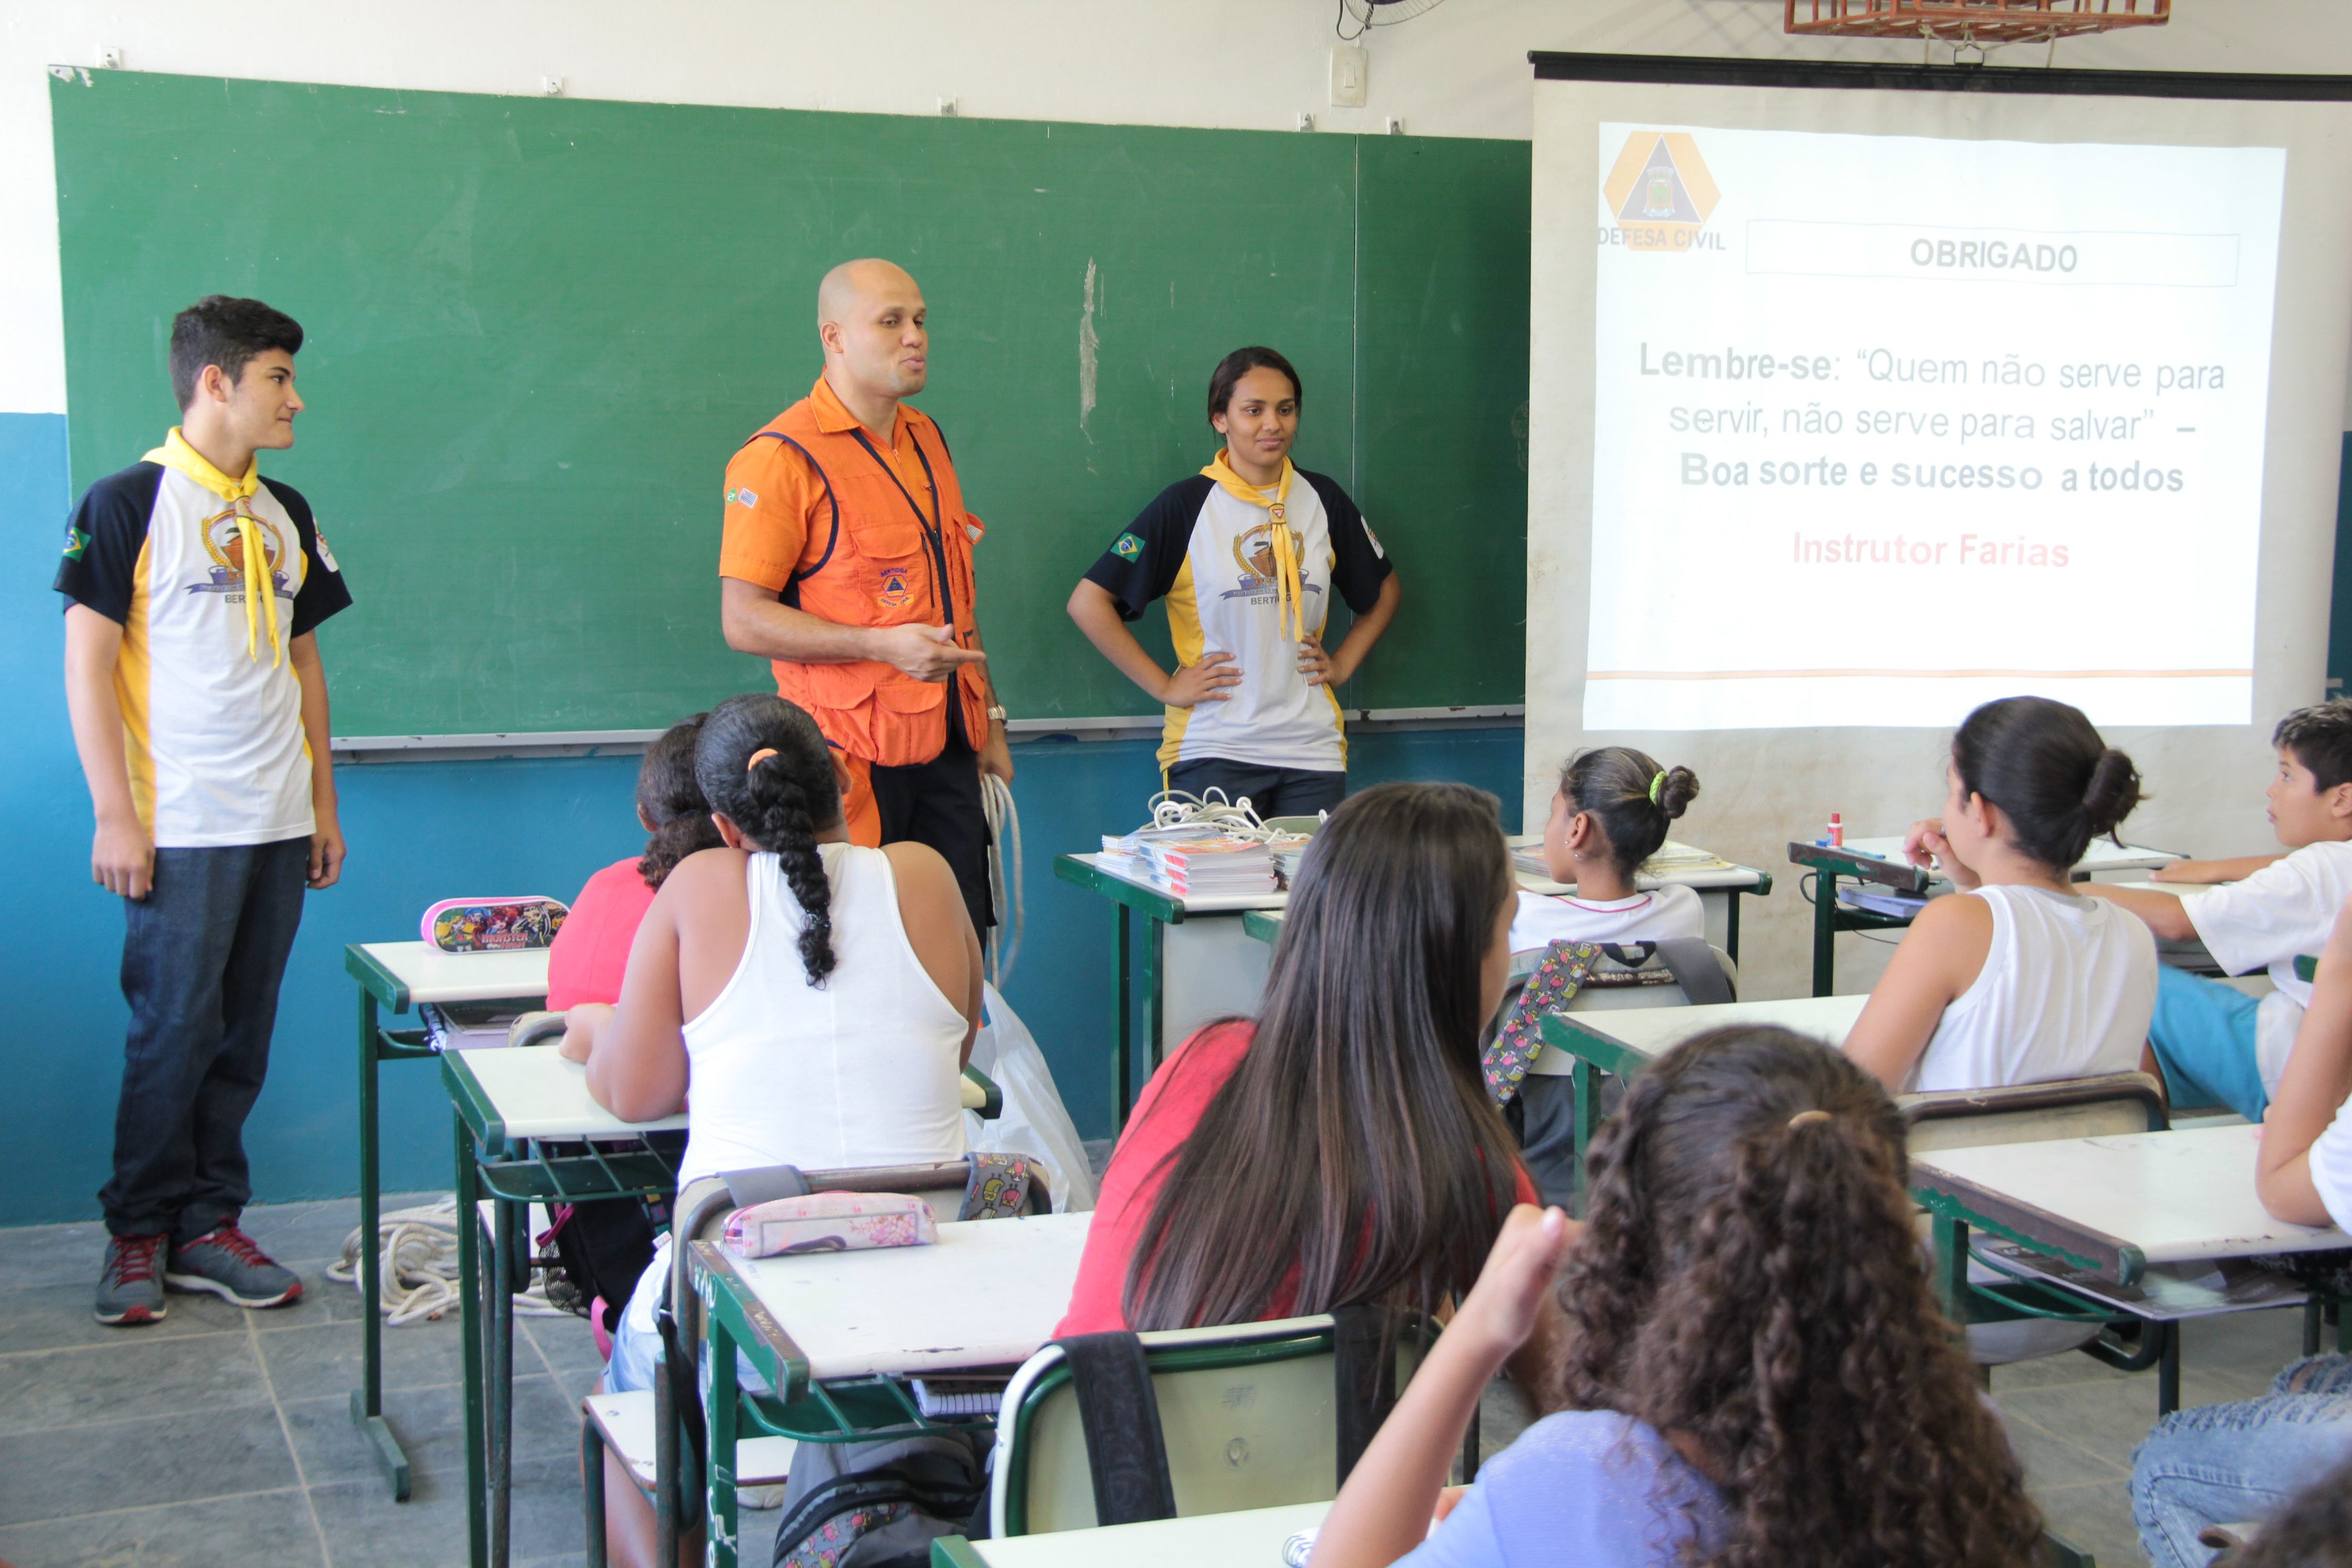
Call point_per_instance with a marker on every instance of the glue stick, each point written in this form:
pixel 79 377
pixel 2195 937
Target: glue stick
pixel 1837 831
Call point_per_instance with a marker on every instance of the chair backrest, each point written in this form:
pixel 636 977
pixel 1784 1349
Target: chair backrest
pixel 1605 998
pixel 1249 1415
pixel 2103 1106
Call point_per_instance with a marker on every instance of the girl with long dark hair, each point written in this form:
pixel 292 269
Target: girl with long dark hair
pixel 2022 980
pixel 1249 553
pixel 1756 1372
pixel 1342 1148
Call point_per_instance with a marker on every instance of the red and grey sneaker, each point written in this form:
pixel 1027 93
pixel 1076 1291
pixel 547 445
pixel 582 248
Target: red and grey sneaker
pixel 131 1286
pixel 225 1261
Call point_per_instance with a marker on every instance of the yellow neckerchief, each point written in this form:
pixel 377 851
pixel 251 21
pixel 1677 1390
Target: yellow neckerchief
pixel 1287 592
pixel 260 595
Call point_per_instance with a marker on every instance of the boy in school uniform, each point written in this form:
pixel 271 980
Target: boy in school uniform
pixel 2216 1043
pixel 194 591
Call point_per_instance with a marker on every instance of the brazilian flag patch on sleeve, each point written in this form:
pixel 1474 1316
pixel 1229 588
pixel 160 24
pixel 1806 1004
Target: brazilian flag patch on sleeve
pixel 76 542
pixel 1129 548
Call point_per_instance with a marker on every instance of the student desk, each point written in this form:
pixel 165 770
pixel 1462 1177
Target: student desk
pixel 833 1334
pixel 1880 862
pixel 397 976
pixel 2112 1207
pixel 527 1131
pixel 1254 1538
pixel 1205 957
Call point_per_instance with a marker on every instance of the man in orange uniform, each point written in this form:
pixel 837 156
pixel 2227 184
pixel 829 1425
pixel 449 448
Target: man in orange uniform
pixel 846 562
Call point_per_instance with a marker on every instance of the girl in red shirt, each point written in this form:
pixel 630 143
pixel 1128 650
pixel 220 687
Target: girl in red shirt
pixel 590 951
pixel 1343 1148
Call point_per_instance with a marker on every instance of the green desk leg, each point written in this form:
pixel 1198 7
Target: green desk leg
pixel 1585 1085
pixel 367 1400
pixel 1824 932
pixel 720 1399
pixel 1122 1048
pixel 470 1310
pixel 1154 950
pixel 1731 927
pixel 501 1380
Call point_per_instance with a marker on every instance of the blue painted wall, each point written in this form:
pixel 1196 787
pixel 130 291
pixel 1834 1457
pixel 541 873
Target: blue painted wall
pixel 421 831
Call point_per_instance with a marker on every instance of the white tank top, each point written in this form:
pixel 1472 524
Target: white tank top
pixel 861 1071
pixel 2067 990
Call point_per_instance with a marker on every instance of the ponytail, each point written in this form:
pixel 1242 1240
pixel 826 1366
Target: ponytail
pixel 1630 796
pixel 764 765
pixel 2059 784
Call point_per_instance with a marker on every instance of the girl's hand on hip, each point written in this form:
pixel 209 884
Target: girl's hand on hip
pixel 1206 681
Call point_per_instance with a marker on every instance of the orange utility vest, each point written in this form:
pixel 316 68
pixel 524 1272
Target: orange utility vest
pixel 883 564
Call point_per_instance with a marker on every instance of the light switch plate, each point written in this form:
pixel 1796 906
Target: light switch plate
pixel 1351 72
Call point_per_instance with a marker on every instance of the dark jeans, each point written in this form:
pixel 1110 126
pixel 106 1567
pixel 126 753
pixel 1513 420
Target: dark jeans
pixel 938 803
pixel 201 957
pixel 1274 792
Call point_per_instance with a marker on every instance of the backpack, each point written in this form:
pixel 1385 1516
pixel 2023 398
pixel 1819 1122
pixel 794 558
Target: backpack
pixel 880 1504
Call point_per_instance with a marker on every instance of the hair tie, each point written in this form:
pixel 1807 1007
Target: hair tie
pixel 762 755
pixel 1658 789
pixel 1806 1118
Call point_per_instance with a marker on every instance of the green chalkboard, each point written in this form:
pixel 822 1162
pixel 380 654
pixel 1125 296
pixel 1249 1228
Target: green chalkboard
pixel 536 330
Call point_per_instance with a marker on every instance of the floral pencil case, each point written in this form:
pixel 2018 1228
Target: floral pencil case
pixel 829 1222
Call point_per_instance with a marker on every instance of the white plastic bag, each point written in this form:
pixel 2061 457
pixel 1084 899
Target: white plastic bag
pixel 1034 1122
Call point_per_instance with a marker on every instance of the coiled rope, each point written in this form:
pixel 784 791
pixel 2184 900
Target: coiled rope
pixel 417 1266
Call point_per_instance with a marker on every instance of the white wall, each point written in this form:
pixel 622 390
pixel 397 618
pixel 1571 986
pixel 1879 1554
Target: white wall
pixel 1460 70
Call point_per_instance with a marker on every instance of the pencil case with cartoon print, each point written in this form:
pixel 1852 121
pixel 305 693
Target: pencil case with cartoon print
pixel 493 925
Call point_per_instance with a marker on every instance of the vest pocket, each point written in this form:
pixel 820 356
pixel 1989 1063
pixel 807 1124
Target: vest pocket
pixel 894 572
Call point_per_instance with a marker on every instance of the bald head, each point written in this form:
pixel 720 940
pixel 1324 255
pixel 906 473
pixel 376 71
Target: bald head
pixel 870 316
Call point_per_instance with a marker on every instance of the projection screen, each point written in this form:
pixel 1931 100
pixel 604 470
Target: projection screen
pixel 1861 395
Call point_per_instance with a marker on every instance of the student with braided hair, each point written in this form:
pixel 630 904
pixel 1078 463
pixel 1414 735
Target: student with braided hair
pixel 807 1000
pixel 1756 1371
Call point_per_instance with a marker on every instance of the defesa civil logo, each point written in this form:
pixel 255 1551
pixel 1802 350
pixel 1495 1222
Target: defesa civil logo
pixel 1660 195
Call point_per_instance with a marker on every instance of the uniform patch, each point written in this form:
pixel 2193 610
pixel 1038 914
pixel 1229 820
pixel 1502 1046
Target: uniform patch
pixel 1375 541
pixel 895 590
pixel 1129 548
pixel 326 556
pixel 76 542
pixel 742 495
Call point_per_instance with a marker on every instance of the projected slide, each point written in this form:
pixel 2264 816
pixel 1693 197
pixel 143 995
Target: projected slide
pixel 1884 426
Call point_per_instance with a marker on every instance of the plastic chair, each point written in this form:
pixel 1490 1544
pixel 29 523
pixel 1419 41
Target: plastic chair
pixel 1249 1415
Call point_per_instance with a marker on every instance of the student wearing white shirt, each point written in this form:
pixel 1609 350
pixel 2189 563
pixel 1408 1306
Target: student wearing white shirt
pixel 2017 978
pixel 2217 1045
pixel 2219 1463
pixel 1609 815
pixel 1249 553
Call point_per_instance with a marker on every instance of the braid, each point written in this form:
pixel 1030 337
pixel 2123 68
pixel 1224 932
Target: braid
pixel 791 833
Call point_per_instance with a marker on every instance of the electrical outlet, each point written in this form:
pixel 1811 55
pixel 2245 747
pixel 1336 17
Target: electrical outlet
pixel 1351 72
pixel 947 106
pixel 552 86
pixel 1306 120
pixel 110 59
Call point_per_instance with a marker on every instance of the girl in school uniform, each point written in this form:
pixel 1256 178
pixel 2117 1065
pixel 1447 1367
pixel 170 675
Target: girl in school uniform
pixel 1610 814
pixel 1341 1148
pixel 1249 553
pixel 591 952
pixel 818 998
pixel 2016 979
pixel 1756 1371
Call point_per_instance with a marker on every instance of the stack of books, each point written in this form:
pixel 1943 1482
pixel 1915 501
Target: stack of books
pixel 1194 860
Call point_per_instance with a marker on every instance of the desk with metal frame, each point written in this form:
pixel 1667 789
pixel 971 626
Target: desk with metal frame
pixel 1260 922
pixel 836 1335
pixel 397 976
pixel 1880 862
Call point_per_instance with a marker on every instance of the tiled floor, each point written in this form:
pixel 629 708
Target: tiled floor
pixel 223 1437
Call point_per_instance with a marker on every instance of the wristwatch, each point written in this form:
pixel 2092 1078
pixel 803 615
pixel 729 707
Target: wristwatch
pixel 996 714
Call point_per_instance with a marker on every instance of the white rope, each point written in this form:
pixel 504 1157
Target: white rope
pixel 1176 808
pixel 417 1266
pixel 1003 889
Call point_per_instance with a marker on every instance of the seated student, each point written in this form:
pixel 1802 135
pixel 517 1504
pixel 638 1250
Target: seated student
pixel 2021 980
pixel 1609 815
pixel 2216 1043
pixel 819 998
pixel 1756 1368
pixel 591 952
pixel 2218 1464
pixel 1342 1148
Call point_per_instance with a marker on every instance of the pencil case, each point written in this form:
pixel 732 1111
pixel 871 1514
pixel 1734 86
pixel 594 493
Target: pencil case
pixel 493 925
pixel 829 1222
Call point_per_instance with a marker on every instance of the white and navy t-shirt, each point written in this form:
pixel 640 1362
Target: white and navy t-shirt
pixel 213 735
pixel 1654 914
pixel 1209 554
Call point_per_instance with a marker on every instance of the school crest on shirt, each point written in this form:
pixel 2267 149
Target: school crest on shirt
pixel 227 551
pixel 897 591
pixel 1253 553
pixel 326 556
